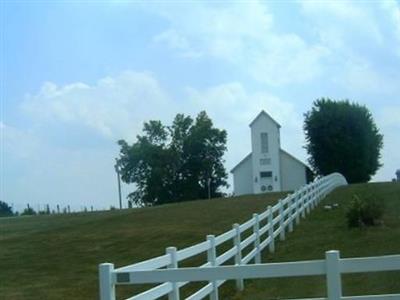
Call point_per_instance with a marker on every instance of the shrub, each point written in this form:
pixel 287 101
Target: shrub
pixel 364 211
pixel 374 209
pixel 29 211
pixel 353 213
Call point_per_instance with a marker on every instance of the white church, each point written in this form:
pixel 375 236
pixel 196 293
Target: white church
pixel 267 168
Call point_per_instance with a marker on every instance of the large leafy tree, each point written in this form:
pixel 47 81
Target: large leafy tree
pixel 342 137
pixel 5 209
pixel 175 163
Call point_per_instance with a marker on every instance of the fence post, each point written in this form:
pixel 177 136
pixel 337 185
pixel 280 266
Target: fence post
pixel 319 192
pixel 212 259
pixel 238 255
pixel 308 200
pixel 256 230
pixel 314 196
pixel 297 199
pixel 303 196
pixel 281 221
pixel 320 196
pixel 174 294
pixel 333 280
pixel 290 214
pixel 107 287
pixel 271 230
pixel 323 189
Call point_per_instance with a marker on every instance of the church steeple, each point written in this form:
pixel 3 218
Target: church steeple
pixel 265 143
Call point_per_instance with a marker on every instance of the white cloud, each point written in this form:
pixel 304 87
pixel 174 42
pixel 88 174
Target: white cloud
pixel 232 107
pixel 362 77
pixel 39 173
pixel 176 41
pixel 115 107
pixel 243 34
pixel 48 163
pixel 232 101
pixel 392 9
pixel 388 120
pixel 390 117
pixel 341 21
pixel 352 44
pixel 363 38
pixel 22 143
pixel 173 40
pixel 350 49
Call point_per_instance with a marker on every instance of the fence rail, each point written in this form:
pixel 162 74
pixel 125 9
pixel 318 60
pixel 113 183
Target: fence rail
pixel 332 267
pixel 261 231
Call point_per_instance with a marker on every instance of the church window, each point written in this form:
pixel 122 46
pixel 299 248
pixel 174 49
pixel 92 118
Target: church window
pixel 264 142
pixel 265 174
pixel 265 161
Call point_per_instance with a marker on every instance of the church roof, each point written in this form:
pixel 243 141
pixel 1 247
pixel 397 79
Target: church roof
pixel 264 113
pixel 296 159
pixel 248 156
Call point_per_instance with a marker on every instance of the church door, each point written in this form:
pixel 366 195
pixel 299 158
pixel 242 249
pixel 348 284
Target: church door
pixel 266 183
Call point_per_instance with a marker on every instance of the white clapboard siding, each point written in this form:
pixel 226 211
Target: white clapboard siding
pixel 261 231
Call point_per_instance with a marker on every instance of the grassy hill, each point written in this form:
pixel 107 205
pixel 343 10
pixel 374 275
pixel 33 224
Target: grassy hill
pixel 327 230
pixel 56 257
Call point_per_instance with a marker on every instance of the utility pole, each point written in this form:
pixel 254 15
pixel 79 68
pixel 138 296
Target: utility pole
pixel 117 169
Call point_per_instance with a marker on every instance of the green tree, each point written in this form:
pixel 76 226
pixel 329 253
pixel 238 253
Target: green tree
pixel 5 209
pixel 175 163
pixel 342 137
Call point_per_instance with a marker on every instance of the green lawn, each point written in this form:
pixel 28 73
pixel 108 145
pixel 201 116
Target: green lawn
pixel 56 257
pixel 327 230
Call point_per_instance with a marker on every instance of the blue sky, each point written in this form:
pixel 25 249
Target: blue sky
pixel 78 76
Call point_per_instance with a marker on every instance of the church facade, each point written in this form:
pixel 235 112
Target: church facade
pixel 267 168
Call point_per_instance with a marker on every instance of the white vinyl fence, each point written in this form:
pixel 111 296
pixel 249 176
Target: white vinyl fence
pixel 260 231
pixel 332 267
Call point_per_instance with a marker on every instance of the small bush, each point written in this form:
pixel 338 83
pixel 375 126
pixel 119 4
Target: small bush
pixel 364 211
pixel 29 211
pixel 353 213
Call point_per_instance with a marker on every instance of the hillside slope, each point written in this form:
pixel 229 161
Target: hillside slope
pixel 56 257
pixel 327 230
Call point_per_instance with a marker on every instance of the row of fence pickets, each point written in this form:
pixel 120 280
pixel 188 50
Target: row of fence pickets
pixel 287 212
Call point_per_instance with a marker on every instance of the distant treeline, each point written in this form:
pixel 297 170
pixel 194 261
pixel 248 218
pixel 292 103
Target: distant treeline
pixel 7 210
